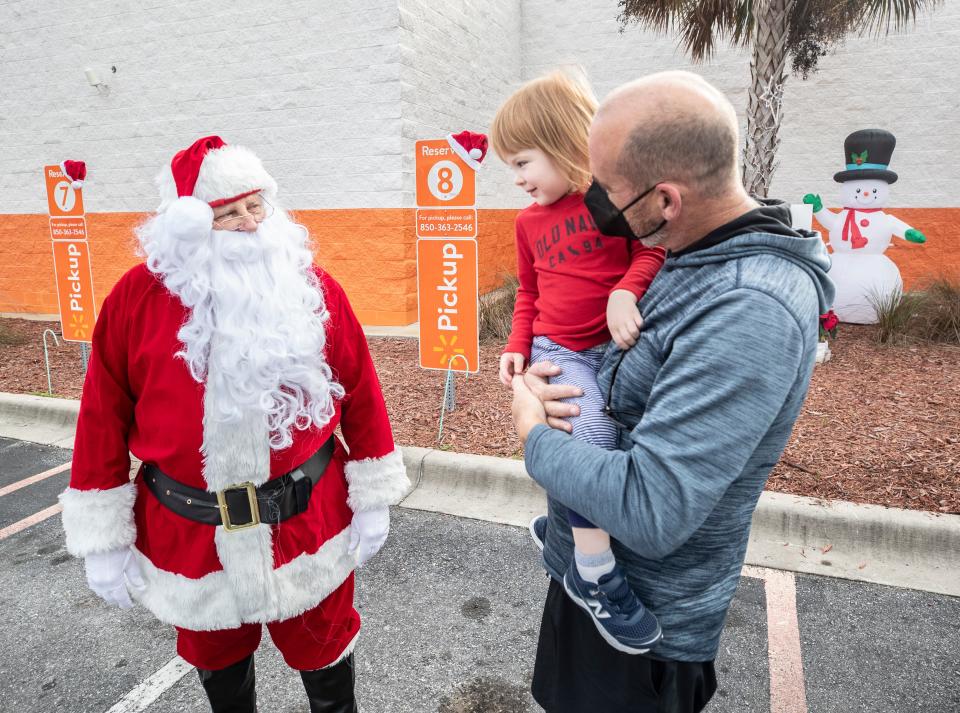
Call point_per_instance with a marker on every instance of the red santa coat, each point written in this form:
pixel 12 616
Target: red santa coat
pixel 138 397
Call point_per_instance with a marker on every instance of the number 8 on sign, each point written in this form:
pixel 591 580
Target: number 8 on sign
pixel 445 180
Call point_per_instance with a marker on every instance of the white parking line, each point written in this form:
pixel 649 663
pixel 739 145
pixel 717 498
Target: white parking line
pixel 151 689
pixel 28 521
pixel 5 490
pixel 788 692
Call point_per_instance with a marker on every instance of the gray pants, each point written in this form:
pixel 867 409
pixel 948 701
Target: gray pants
pixel 580 370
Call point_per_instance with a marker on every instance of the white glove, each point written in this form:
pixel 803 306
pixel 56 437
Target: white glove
pixel 369 531
pixel 110 573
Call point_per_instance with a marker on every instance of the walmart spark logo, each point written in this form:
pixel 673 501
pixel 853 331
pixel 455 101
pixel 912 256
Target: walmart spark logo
pixel 79 326
pixel 448 350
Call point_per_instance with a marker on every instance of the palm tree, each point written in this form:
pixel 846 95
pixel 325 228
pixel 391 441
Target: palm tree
pixel 777 29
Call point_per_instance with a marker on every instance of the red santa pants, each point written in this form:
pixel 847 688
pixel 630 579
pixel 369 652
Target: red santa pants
pixel 309 641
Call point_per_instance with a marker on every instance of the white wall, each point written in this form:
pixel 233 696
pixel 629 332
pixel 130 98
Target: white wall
pixel 906 83
pixel 460 61
pixel 313 87
pixel 333 95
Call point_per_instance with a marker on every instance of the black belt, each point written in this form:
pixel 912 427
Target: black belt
pixel 242 505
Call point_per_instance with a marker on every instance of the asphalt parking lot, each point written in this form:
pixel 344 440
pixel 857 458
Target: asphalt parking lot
pixel 451 610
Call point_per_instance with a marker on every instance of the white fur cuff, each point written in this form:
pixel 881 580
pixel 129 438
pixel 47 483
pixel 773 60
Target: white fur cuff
pixel 376 482
pixel 98 520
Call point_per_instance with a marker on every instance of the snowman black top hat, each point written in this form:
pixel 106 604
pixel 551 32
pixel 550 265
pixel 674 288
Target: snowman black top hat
pixel 867 154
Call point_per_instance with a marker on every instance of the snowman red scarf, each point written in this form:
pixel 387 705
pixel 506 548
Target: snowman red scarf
pixel 851 231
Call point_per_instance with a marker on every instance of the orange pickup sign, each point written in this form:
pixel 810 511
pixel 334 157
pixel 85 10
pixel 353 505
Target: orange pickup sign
pixel 62 200
pixel 443 179
pixel 447 298
pixel 71 259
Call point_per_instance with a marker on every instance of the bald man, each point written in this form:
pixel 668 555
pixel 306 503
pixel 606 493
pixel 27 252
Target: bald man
pixel 705 399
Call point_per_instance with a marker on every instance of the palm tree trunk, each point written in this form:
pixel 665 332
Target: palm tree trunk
pixel 766 94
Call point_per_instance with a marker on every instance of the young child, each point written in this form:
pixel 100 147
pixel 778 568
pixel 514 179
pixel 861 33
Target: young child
pixel 577 288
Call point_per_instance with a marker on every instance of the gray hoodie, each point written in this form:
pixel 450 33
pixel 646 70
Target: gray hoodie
pixel 707 398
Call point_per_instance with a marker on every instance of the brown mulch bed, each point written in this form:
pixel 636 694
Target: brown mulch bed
pixel 881 424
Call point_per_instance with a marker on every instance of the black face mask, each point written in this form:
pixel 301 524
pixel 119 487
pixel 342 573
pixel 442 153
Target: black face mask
pixel 610 219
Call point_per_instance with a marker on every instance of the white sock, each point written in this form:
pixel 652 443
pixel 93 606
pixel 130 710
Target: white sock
pixel 593 567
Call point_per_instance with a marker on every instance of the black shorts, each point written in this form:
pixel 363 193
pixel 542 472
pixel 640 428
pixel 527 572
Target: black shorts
pixel 578 672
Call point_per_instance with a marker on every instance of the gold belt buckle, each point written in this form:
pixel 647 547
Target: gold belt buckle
pixel 254 507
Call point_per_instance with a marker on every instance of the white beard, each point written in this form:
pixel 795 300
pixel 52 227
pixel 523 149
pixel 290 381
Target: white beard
pixel 256 333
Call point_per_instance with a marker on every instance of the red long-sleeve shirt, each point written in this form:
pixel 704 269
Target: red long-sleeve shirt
pixel 567 270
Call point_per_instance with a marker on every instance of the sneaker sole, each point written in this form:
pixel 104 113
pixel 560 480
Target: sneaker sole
pixel 533 533
pixel 607 636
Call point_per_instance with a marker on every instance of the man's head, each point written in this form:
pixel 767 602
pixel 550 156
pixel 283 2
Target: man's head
pixel 245 272
pixel 674 135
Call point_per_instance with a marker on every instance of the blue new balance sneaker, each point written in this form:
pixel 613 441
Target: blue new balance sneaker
pixel 538 530
pixel 619 616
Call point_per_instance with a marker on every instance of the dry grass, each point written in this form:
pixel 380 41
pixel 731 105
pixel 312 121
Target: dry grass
pixel 496 311
pixel 931 315
pixel 10 338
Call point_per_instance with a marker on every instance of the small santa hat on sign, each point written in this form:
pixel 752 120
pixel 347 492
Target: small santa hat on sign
pixel 76 171
pixel 469 146
pixel 215 173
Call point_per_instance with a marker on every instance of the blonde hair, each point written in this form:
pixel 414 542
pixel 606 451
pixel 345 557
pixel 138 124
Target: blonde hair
pixel 553 114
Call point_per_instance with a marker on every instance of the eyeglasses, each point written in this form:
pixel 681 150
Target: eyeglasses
pixel 616 415
pixel 260 211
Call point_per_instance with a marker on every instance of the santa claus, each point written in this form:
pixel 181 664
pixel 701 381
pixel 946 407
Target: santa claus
pixel 224 363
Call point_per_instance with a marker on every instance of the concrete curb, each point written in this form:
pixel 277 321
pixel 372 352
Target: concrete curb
pixel 40 419
pixel 870 543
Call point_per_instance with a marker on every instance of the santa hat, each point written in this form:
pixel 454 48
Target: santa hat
pixel 214 172
pixel 469 146
pixel 76 171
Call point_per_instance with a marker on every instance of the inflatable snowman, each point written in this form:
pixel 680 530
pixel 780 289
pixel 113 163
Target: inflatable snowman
pixel 862 231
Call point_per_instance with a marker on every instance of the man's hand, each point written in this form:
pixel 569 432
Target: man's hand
pixel 915 236
pixel 369 531
pixel 511 364
pixel 623 318
pixel 536 401
pixel 110 573
pixel 812 199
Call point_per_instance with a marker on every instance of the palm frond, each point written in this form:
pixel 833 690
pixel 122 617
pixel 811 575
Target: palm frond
pixel 881 16
pixel 657 15
pixel 700 24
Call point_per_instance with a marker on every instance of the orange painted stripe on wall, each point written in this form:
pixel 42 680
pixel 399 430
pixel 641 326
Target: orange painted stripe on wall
pixel 372 252
pixel 939 256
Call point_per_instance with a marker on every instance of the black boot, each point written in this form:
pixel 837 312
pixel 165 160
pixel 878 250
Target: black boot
pixel 330 690
pixel 231 689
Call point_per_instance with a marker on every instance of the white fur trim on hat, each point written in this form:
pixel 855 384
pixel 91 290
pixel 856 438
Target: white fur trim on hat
pixel 225 173
pixel 75 185
pixel 375 482
pixel 468 157
pixel 188 218
pixel 98 520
